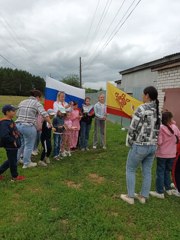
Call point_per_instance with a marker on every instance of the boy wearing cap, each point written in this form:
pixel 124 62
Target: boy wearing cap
pixel 46 140
pixel 10 140
pixel 58 124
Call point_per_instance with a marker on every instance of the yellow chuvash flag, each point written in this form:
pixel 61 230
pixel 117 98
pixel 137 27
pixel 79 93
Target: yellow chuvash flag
pixel 120 103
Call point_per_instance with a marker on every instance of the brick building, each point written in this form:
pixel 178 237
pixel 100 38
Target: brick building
pixel 162 73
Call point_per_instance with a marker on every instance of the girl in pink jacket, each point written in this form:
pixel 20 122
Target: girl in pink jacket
pixel 169 136
pixel 75 117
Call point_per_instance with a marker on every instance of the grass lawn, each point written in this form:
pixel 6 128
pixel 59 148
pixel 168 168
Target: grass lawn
pixel 78 199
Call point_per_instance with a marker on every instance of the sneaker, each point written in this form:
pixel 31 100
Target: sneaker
pixel 156 194
pixel 175 193
pixel 1 177
pixel 68 153
pixel 20 161
pixel 47 160
pixel 82 149
pixel 42 164
pixel 18 178
pixel 94 147
pixel 173 186
pixel 140 198
pixel 34 153
pixel 63 154
pixel 169 192
pixel 104 147
pixel 57 158
pixel 30 165
pixel 87 149
pixel 127 199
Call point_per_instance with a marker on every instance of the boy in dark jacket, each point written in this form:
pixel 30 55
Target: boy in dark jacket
pixel 46 140
pixel 10 140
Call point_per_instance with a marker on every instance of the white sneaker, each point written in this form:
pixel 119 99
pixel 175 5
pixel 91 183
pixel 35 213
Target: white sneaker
pixel 104 147
pixel 87 149
pixel 30 165
pixel 173 186
pixel 175 193
pixel 169 192
pixel 94 147
pixel 127 199
pixel 82 149
pixel 57 158
pixel 42 164
pixel 156 194
pixel 47 160
pixel 20 161
pixel 140 198
pixel 63 154
pixel 68 153
pixel 34 153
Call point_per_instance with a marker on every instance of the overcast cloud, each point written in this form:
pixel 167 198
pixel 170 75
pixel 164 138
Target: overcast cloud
pixel 48 36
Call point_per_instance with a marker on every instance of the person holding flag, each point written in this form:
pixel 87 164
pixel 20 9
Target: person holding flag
pixel 86 122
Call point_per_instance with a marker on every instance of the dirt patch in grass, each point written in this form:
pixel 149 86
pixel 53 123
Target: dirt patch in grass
pixel 120 237
pixel 72 184
pixel 93 177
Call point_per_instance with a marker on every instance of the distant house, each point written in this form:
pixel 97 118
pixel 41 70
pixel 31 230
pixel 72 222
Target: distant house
pixel 162 73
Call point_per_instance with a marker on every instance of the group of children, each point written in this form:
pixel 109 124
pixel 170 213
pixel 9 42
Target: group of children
pixel 70 129
pixel 69 126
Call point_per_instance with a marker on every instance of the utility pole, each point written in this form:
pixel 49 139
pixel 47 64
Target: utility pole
pixel 80 73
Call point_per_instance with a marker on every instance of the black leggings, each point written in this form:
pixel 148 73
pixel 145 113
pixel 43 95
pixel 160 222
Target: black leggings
pixel 47 148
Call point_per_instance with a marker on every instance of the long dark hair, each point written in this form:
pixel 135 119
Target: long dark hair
pixel 153 95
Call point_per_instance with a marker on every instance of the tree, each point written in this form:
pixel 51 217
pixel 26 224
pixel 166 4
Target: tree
pixel 72 80
pixel 18 82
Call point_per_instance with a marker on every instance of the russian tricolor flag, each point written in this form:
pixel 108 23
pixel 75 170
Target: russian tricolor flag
pixel 71 93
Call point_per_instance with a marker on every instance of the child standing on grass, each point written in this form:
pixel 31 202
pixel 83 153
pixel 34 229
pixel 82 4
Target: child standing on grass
pixel 99 123
pixel 58 124
pixel 66 142
pixel 75 117
pixel 10 140
pixel 46 140
pixel 169 136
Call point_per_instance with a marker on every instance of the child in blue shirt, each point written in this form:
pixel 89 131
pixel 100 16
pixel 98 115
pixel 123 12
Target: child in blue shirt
pixel 58 124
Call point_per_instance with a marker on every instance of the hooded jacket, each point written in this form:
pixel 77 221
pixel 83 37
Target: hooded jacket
pixel 167 146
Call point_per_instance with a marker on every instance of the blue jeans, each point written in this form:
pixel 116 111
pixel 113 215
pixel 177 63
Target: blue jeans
pixel 84 134
pixel 38 138
pixel 28 138
pixel 144 155
pixel 163 170
pixel 57 144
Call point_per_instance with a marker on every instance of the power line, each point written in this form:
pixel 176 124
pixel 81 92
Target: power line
pixel 122 23
pixel 117 13
pixel 117 28
pixel 8 61
pixel 100 22
pixel 92 21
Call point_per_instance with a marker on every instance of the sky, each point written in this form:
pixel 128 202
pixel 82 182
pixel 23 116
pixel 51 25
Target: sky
pixel 47 37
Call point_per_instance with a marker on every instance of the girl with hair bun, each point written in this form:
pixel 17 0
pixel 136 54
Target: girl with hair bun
pixel 142 139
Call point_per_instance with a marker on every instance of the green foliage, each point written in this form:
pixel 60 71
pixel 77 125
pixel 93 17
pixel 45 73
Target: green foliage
pixel 18 82
pixel 77 198
pixel 90 90
pixel 72 80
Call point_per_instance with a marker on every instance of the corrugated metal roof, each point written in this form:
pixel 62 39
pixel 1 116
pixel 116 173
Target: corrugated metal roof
pixel 165 60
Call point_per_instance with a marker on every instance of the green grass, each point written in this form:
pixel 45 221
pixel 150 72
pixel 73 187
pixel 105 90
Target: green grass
pixel 77 199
